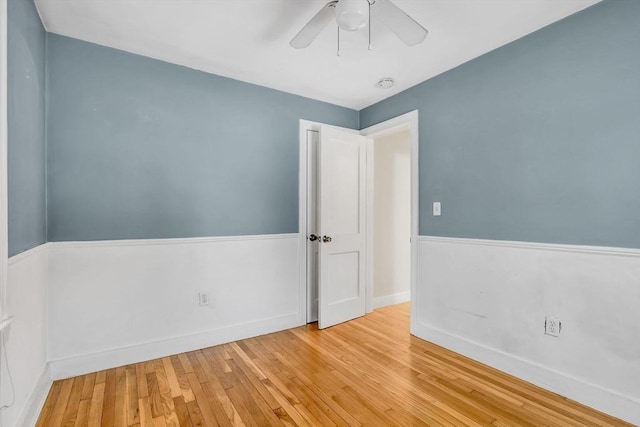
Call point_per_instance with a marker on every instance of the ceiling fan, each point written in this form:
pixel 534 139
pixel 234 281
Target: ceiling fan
pixel 353 15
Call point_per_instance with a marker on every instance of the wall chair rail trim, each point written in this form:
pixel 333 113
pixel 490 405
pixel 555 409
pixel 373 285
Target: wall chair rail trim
pixel 596 250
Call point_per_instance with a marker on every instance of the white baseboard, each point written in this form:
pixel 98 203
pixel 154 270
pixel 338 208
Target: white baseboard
pixel 385 300
pixel 36 400
pixel 84 364
pixel 602 399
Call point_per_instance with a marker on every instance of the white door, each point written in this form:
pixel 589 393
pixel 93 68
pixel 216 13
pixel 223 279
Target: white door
pixel 341 222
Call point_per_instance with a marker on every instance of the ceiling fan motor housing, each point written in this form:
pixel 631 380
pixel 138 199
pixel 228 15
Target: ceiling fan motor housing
pixel 352 15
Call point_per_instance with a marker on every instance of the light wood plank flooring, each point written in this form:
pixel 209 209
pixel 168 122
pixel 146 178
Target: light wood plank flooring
pixel 369 371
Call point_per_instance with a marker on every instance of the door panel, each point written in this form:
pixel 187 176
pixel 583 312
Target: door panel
pixel 343 274
pixel 342 187
pixel 341 219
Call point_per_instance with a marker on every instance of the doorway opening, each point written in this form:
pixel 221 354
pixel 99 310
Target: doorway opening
pixel 391 218
pixel 389 224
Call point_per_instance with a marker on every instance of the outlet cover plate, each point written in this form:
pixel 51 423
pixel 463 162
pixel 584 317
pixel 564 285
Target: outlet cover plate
pixel 552 326
pixel 203 298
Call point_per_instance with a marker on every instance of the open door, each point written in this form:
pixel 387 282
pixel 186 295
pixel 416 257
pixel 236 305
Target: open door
pixel 341 222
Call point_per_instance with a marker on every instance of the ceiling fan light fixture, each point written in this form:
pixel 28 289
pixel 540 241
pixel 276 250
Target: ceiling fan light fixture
pixel 385 83
pixel 352 15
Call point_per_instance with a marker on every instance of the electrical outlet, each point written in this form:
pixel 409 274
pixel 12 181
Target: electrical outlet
pixel 203 298
pixel 552 326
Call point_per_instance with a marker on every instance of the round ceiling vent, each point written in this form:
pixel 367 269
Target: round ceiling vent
pixel 385 83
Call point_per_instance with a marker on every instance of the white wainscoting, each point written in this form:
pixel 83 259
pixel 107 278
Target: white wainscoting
pixel 26 338
pixel 488 300
pixel 118 302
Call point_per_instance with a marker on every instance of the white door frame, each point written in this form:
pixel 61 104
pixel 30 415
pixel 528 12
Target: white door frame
pixel 406 121
pixel 305 283
pixel 311 302
pixel 4 238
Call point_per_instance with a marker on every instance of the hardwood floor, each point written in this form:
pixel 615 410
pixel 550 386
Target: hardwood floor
pixel 369 371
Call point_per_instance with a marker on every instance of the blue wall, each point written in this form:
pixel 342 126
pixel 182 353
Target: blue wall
pixel 538 140
pixel 26 130
pixel 139 148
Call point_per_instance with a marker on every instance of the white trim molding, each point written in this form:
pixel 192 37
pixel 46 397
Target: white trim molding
pixel 386 300
pixel 36 400
pixel 4 218
pixel 597 250
pixel 168 241
pixel 408 121
pixel 488 300
pixel 23 256
pixel 303 188
pixel 98 361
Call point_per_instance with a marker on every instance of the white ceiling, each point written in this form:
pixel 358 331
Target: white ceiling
pixel 249 39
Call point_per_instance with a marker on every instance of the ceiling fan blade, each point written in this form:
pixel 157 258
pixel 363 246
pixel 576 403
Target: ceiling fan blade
pixel 309 32
pixel 401 24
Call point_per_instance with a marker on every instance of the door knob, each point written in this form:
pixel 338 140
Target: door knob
pixel 313 237
pixel 326 239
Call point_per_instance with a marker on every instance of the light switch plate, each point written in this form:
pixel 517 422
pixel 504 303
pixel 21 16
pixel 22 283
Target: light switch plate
pixel 437 209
